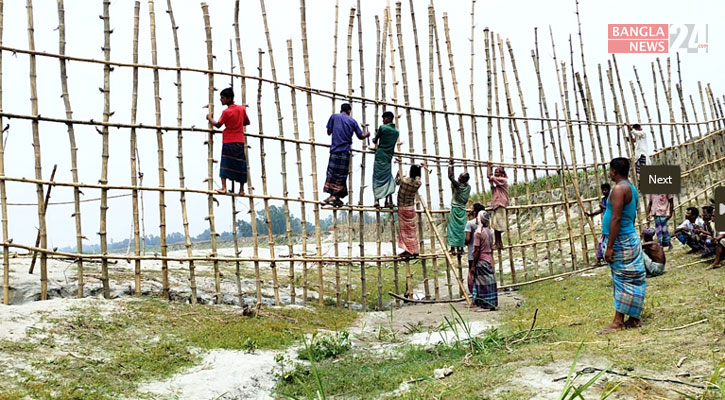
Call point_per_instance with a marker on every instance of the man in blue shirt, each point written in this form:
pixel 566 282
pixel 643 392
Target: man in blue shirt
pixel 341 127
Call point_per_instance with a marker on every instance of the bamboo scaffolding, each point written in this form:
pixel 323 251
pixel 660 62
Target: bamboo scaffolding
pixel 436 146
pixel 313 158
pixel 3 191
pixel 283 152
pixel 160 153
pixel 134 170
pixel 71 139
pixel 424 141
pixel 210 157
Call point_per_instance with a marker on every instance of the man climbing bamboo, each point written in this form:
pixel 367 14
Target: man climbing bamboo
pixel 457 217
pixel 385 139
pixel 234 162
pixel 641 146
pixel 341 127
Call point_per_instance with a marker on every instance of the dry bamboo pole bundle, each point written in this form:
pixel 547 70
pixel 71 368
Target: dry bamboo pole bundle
pixel 456 95
pixel 697 120
pixel 71 138
pixel 298 149
pixel 604 110
pixel 682 102
pixel 3 192
pixel 210 156
pixel 361 216
pixel 657 104
pixel 448 129
pixel 409 121
pixel 348 213
pixel 426 178
pixel 105 155
pixel 268 219
pixel 436 146
pixel 334 59
pixel 564 189
pixel 180 157
pixel 160 154
pixel 238 43
pixel 474 126
pixel 646 108
pixel 283 152
pixel 134 169
pixel 313 154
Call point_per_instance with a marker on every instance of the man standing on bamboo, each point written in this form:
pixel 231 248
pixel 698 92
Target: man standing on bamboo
pixel 341 127
pixel 407 217
pixel 457 217
pixel 641 146
pixel 623 249
pixel 234 162
pixel 499 202
pixel 385 139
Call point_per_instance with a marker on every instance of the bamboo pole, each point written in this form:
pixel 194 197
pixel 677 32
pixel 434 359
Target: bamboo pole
pixel 702 103
pixel 456 95
pixel 160 153
pixel 617 113
pixel 673 132
pixel 334 65
pixel 268 219
pixel 474 126
pixel 313 158
pixel 134 170
pixel 499 134
pixel 448 129
pixel 489 90
pixel 45 210
pixel 378 68
pixel 105 155
pixel 694 114
pixel 348 213
pixel 180 157
pixel 565 190
pixel 657 105
pixel 283 152
pixel 646 108
pixel 604 110
pixel 3 192
pixel 298 149
pixel 424 141
pixel 210 157
pixel 72 141
pixel 436 146
pixel 678 86
pixel 238 43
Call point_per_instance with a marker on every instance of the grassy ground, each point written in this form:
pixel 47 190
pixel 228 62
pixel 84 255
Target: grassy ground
pixel 96 354
pixel 581 306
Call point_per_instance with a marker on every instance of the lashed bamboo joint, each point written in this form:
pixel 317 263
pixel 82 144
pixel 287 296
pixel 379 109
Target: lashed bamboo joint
pixel 557 160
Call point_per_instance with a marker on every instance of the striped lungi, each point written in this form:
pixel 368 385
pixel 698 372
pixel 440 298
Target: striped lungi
pixel 337 170
pixel 628 274
pixel 408 229
pixel 234 163
pixel 485 292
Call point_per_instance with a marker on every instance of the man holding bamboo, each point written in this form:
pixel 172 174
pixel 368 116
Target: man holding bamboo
pixel 457 217
pixel 385 139
pixel 641 146
pixel 341 127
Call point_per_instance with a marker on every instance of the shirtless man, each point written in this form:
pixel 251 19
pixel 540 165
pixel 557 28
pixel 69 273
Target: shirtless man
pixel 654 255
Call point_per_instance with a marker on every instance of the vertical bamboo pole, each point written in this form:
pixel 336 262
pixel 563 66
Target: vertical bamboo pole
pixel 238 43
pixel 298 149
pixel 702 102
pixel 424 141
pixel 338 295
pixel 604 110
pixel 334 69
pixel 456 95
pixel 134 169
pixel 72 140
pixel 657 105
pixel 682 102
pixel 363 282
pixel 3 192
pixel 565 190
pixel 617 114
pixel 674 133
pixel 283 152
pixel 313 153
pixel 180 157
pixel 499 134
pixel 160 153
pixel 268 219
pixel 378 228
pixel 390 217
pixel 694 114
pixel 646 108
pixel 104 156
pixel 474 126
pixel 448 129
pixel 436 146
pixel 489 90
pixel 253 222
pixel 210 156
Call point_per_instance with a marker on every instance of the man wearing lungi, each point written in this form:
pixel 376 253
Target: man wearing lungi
pixel 499 202
pixel 457 217
pixel 385 139
pixel 623 249
pixel 234 162
pixel 407 217
pixel 341 127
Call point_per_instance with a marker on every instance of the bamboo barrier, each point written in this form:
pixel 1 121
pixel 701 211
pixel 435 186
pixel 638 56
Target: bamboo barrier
pixel 522 253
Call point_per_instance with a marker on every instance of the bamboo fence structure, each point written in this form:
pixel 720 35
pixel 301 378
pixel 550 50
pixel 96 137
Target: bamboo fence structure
pixel 556 159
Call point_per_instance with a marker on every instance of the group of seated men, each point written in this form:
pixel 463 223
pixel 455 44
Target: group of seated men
pixel 698 233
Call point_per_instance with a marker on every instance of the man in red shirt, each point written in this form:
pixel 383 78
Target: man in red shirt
pixel 234 163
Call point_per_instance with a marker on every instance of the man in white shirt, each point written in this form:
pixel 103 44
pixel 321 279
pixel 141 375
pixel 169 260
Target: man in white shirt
pixel 641 146
pixel 686 232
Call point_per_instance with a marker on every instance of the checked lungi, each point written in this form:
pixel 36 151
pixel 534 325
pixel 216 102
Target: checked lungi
pixel 408 229
pixel 663 235
pixel 234 163
pixel 337 170
pixel 628 274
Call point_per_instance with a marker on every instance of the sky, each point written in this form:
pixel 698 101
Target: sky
pixel 513 20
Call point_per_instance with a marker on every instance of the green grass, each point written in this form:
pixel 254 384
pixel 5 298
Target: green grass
pixel 95 355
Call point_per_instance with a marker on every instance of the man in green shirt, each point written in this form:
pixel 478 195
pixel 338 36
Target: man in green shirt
pixel 457 218
pixel 385 139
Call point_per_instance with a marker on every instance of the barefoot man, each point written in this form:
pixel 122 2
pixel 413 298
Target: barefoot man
pixel 623 251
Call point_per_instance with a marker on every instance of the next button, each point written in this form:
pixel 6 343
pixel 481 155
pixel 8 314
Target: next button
pixel 659 179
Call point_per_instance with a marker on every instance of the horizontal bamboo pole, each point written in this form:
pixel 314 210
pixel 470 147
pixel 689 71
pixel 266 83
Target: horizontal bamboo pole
pixel 320 92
